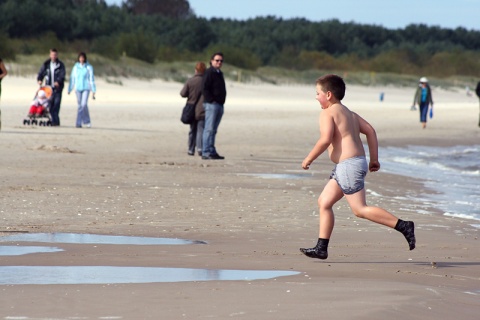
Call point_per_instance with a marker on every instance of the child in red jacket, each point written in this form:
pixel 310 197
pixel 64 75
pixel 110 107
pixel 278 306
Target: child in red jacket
pixel 39 104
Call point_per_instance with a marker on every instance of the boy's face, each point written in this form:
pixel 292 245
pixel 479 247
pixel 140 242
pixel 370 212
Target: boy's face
pixel 322 97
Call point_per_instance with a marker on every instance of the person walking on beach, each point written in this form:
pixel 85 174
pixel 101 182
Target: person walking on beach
pixel 340 131
pixel 214 95
pixel 477 91
pixel 3 74
pixel 53 72
pixel 192 90
pixel 82 80
pixel 423 97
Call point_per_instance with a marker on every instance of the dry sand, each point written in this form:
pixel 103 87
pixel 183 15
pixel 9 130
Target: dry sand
pixel 130 175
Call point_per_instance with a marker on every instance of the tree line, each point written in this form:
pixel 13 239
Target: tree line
pixel 169 30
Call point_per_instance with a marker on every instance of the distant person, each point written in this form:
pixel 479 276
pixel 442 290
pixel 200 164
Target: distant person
pixel 3 74
pixel 468 91
pixel 214 95
pixel 82 80
pixel 423 97
pixel 477 91
pixel 192 90
pixel 53 72
pixel 340 131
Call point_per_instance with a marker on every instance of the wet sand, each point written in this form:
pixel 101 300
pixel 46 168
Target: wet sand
pixel 130 175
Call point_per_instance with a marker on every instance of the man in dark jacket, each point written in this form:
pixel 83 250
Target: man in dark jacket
pixel 214 95
pixel 53 72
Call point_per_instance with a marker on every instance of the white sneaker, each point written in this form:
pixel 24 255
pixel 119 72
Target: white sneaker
pixel 88 125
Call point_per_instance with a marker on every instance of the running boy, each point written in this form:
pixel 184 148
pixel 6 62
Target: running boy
pixel 340 133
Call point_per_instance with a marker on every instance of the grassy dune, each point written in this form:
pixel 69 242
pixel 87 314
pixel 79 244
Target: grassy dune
pixel 114 70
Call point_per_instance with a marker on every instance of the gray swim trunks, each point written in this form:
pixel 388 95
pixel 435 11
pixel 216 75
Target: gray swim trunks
pixel 350 174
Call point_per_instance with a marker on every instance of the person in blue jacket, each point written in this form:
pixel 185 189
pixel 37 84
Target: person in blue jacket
pixel 423 97
pixel 82 80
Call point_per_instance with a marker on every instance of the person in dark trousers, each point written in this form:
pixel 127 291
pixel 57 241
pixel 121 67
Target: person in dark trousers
pixel 53 72
pixel 477 91
pixel 192 90
pixel 214 95
pixel 3 73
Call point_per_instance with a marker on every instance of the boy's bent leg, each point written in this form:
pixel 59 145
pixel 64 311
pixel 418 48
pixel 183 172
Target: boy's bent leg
pixel 378 215
pixel 359 207
pixel 329 196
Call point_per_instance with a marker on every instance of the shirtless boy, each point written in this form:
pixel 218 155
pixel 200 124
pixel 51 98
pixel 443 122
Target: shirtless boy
pixel 340 131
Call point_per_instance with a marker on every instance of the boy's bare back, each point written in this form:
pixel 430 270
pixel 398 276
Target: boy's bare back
pixel 343 128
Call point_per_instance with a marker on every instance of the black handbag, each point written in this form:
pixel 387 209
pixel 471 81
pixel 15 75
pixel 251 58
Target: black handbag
pixel 188 112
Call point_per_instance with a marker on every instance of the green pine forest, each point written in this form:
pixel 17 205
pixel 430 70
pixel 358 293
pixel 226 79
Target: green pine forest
pixel 152 38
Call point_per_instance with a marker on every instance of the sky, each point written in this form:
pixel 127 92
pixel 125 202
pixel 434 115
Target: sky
pixel 392 14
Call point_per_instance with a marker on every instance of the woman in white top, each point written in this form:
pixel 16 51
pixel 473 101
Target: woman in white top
pixel 83 81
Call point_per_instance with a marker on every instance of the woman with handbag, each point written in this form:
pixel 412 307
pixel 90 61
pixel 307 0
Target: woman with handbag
pixel 192 90
pixel 423 97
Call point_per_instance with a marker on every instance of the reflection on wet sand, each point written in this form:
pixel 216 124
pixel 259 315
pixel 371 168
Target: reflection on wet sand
pixel 21 250
pixel 78 238
pixel 16 275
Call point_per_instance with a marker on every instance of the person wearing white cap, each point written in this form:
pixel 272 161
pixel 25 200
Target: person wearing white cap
pixel 423 97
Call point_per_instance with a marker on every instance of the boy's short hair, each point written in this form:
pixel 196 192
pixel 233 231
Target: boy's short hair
pixel 334 84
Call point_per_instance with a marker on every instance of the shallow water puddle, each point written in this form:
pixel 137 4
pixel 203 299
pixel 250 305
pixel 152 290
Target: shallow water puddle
pixel 21 250
pixel 77 238
pixel 283 176
pixel 17 275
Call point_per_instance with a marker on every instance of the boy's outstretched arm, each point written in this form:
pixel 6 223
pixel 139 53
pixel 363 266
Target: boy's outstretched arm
pixel 326 137
pixel 367 129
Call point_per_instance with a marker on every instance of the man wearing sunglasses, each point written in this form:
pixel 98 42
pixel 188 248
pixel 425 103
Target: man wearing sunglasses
pixel 214 94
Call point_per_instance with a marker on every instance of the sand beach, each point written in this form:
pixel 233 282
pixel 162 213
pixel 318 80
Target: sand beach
pixel 130 175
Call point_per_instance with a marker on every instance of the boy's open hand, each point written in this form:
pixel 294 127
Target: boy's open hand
pixel 374 165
